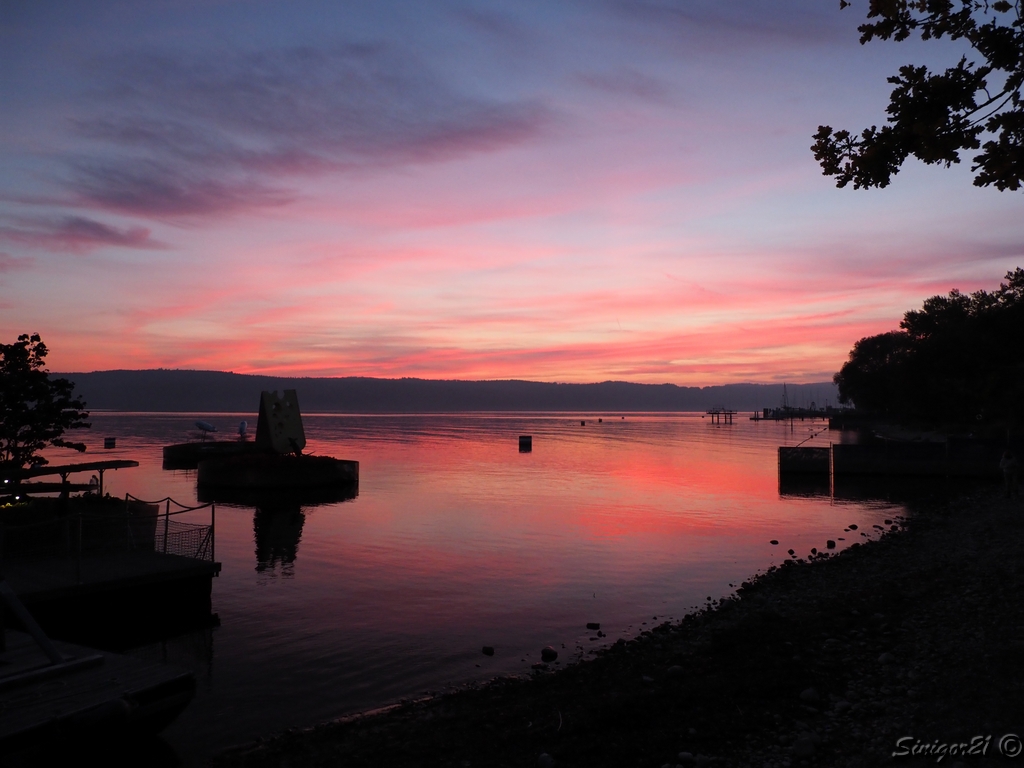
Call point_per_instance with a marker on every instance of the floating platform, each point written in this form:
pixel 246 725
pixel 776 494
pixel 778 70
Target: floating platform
pixel 88 693
pixel 720 415
pixel 276 472
pixel 188 455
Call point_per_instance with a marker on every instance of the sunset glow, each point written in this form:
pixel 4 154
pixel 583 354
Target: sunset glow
pixel 568 192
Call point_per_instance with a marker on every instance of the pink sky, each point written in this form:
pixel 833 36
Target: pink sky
pixel 580 192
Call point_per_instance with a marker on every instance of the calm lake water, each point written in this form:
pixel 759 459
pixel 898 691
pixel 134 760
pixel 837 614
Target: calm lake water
pixel 456 541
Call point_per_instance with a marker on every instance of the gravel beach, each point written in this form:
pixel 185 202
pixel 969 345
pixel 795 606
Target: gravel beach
pixel 897 651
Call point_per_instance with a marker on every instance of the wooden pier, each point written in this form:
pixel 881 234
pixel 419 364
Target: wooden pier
pixel 720 415
pixel 82 692
pixel 13 478
pixel 111 578
pixel 793 414
pixel 115 598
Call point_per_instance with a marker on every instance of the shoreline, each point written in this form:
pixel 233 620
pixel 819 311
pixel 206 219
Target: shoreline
pixel 918 635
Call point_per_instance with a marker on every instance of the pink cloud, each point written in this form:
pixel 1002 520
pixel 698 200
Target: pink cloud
pixel 10 263
pixel 75 234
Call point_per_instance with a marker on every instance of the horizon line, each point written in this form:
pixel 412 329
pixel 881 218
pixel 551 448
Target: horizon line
pixel 466 381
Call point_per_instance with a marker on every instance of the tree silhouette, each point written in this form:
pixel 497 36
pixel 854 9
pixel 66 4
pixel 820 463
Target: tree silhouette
pixel 35 410
pixel 933 116
pixel 957 359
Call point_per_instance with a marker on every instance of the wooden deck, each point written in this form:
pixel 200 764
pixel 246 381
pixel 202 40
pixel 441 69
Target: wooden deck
pixel 37 581
pixel 90 690
pixel 116 599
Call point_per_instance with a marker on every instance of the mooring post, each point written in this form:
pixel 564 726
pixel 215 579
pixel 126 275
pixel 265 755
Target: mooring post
pixel 831 474
pixel 128 522
pixel 167 522
pixel 65 494
pixel 78 566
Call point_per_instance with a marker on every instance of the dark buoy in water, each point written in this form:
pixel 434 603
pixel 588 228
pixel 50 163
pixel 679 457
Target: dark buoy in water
pixel 525 443
pixel 583 423
pixel 600 421
pixel 110 442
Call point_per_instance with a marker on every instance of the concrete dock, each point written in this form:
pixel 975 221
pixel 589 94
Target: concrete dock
pixel 955 457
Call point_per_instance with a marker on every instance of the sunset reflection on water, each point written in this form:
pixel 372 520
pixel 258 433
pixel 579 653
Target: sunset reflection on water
pixel 457 540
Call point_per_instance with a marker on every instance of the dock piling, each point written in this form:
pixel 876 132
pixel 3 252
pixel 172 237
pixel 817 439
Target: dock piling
pixel 78 557
pixel 167 523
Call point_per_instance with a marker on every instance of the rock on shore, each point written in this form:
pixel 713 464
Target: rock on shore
pixel 917 636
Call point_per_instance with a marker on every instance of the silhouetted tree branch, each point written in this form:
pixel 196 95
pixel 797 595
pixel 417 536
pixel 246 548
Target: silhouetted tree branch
pixel 933 116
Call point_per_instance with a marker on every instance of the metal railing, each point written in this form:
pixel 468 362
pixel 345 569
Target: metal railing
pixel 174 537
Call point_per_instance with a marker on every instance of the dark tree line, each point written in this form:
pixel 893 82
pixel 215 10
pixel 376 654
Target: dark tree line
pixel 958 359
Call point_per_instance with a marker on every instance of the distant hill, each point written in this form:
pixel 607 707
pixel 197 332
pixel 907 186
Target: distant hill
pixel 215 391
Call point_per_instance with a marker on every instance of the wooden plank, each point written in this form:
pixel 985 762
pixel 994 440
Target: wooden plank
pixel 47 671
pixel 116 691
pixel 60 469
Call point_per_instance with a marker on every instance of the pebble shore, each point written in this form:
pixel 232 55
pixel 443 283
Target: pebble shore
pixel 912 643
